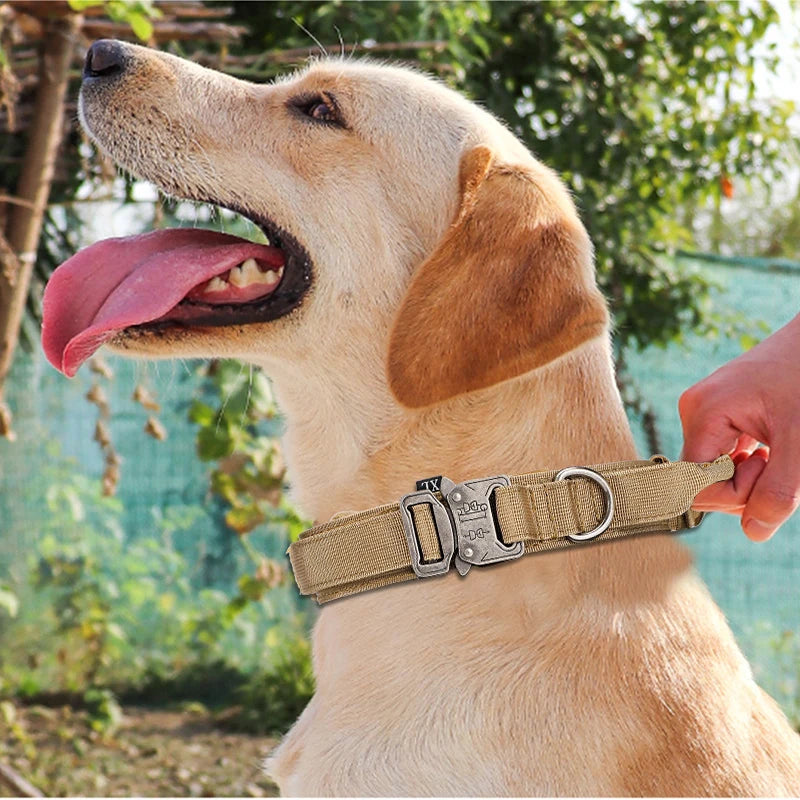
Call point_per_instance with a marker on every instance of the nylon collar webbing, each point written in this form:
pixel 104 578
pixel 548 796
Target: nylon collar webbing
pixel 496 519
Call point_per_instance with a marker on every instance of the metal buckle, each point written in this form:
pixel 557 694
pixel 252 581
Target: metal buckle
pixel 444 532
pixel 466 527
pixel 583 472
pixel 477 532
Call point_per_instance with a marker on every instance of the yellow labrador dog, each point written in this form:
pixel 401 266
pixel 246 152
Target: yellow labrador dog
pixel 427 305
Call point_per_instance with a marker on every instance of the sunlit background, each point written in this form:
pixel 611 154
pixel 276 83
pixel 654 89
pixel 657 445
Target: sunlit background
pixel 145 602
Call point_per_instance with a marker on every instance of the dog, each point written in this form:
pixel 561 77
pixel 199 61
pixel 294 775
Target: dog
pixel 427 305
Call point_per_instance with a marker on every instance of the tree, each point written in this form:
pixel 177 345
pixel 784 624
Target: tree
pixel 644 110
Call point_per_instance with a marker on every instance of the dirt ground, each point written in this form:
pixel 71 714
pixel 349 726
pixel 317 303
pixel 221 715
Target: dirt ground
pixel 152 753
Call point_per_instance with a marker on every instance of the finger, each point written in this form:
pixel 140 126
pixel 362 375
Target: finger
pixel 776 494
pixel 706 433
pixel 744 447
pixel 731 496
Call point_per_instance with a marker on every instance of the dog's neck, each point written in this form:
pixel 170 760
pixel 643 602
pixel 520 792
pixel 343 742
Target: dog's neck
pixel 347 457
pixel 347 454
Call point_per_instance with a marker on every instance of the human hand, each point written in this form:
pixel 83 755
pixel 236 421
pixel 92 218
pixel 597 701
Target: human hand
pixel 754 398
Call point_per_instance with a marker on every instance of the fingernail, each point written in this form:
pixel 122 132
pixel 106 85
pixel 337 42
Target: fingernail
pixel 756 529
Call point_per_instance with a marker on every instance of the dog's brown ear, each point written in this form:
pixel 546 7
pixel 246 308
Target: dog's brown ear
pixel 509 287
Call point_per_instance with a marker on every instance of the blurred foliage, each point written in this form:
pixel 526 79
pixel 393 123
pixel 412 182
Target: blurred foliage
pixel 104 713
pixel 761 221
pixel 786 645
pixel 272 699
pixel 9 603
pixel 440 37
pixel 10 724
pixel 782 680
pixel 213 683
pixel 249 474
pixel 99 611
pixel 136 13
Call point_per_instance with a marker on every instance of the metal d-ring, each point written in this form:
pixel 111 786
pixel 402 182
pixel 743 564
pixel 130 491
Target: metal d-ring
pixel 583 472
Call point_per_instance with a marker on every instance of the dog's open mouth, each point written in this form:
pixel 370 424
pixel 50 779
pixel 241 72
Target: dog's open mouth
pixel 179 277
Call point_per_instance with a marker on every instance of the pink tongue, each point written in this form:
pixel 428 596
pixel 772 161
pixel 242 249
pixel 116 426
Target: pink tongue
pixel 117 283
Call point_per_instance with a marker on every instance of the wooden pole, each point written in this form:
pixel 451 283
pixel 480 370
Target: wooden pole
pixel 24 223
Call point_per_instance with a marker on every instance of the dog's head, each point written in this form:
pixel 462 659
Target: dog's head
pixel 402 220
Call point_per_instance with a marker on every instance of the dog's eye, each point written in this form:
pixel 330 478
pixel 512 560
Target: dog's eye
pixel 322 111
pixel 319 107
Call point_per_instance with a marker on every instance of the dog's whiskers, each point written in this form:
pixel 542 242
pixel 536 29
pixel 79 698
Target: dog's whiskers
pixel 311 36
pixel 341 42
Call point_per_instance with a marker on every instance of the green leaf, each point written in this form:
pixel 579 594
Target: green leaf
pixel 224 485
pixel 214 442
pixel 235 607
pixel 273 637
pixel 112 629
pixel 747 340
pixel 202 413
pixel 244 519
pixel 141 26
pixel 166 602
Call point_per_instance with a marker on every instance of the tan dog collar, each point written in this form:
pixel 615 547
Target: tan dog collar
pixel 489 520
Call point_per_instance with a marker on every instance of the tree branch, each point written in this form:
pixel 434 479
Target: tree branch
pixel 17 783
pixel 165 30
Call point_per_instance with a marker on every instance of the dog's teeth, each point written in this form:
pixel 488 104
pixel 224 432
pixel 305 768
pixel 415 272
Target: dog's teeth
pixel 241 275
pixel 249 272
pixel 216 285
pixel 245 274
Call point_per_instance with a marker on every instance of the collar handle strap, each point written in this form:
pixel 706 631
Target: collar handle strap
pixel 486 521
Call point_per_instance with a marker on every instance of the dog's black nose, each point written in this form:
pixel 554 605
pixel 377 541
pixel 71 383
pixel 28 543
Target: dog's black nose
pixel 104 59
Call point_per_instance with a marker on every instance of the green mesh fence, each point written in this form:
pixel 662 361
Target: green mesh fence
pixel 159 553
pixel 55 424
pixel 164 488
